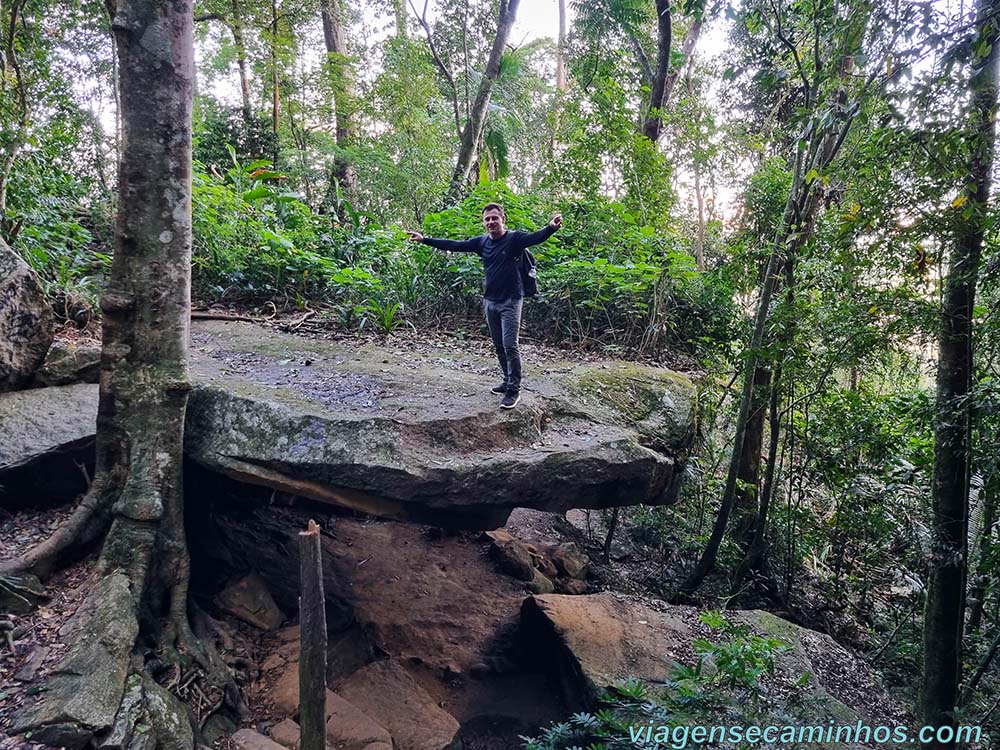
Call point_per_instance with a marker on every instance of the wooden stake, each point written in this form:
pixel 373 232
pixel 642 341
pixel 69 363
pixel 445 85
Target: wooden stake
pixel 312 644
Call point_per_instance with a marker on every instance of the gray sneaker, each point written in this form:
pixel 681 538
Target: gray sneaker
pixel 510 400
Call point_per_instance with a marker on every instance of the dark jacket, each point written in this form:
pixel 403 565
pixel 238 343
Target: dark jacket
pixel 502 280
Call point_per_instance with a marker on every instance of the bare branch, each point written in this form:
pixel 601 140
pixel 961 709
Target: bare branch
pixel 647 69
pixel 422 18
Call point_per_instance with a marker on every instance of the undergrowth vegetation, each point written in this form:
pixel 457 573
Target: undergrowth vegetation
pixel 725 687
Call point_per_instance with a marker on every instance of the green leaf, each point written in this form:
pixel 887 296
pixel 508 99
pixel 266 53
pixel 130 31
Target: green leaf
pixel 257 193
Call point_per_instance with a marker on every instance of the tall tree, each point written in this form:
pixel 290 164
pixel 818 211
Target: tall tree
pixel 342 77
pixel 231 15
pixel 945 612
pixel 472 133
pixel 826 93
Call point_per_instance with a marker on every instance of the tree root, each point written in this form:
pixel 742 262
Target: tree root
pixel 88 523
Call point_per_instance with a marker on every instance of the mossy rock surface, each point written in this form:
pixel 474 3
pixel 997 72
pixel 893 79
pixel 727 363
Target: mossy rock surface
pixel 660 404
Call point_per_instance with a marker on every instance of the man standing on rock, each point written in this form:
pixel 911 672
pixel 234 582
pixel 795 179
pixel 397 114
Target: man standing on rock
pixel 500 250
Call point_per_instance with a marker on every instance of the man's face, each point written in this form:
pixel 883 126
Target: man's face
pixel 493 220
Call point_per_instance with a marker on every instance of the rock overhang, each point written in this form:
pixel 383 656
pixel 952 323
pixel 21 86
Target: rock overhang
pixel 401 435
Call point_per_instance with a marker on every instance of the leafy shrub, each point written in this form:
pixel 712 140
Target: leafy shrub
pixel 51 227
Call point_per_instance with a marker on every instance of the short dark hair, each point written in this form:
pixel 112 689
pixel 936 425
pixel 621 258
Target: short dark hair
pixel 497 206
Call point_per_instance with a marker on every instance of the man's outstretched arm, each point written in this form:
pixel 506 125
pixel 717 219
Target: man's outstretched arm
pixel 537 238
pixel 457 246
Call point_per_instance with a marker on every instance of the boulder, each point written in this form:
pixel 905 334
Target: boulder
pixel 402 437
pixel 595 641
pixel 45 431
pixel 249 600
pixel 387 693
pixel 71 362
pixel 25 321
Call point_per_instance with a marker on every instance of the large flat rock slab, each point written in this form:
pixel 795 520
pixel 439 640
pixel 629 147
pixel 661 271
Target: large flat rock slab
pixel 401 434
pixel 415 437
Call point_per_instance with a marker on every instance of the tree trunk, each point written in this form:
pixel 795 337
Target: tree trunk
pixel 814 154
pixel 561 49
pixel 236 27
pixel 560 80
pixel 12 78
pixel 758 543
pixel 699 195
pixel 399 7
pixel 472 133
pixel 275 94
pixel 748 476
pixel 342 77
pixel 144 375
pixel 945 612
pixel 687 50
pixel 653 122
pixel 144 566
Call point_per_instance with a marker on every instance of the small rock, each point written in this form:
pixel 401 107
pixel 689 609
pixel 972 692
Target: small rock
pixel 250 601
pixel 71 362
pixel 20 593
pixel 247 739
pixel 68 736
pixel 286 732
pixel 284 695
pixel 540 584
pixel 572 586
pixel 570 560
pixel 513 559
pixel 217 726
pixel 387 693
pixel 274 661
pixel 289 634
pixel 545 565
pixel 498 535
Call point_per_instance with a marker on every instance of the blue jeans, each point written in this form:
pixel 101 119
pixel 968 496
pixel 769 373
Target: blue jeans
pixel 504 322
